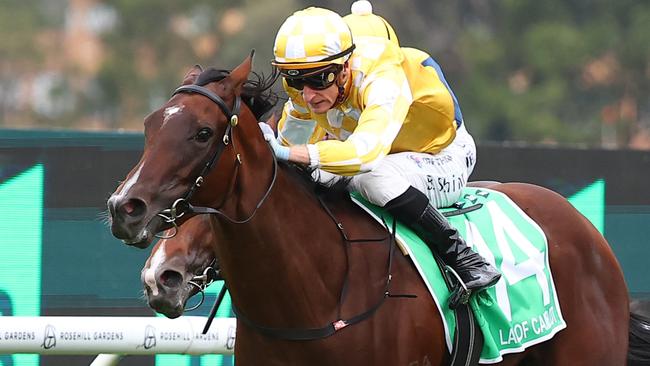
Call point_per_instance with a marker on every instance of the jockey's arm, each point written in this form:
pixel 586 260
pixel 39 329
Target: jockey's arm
pixel 299 154
pixel 387 97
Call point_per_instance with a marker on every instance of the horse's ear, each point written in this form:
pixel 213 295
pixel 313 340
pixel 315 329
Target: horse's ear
pixel 239 75
pixel 192 74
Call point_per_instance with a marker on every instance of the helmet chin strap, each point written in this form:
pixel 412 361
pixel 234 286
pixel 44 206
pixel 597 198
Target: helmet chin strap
pixel 341 97
pixel 341 87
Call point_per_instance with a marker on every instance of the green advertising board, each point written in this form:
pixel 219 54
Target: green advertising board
pixel 21 198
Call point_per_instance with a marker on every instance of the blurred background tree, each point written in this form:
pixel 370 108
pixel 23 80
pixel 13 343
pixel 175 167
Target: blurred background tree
pixel 553 72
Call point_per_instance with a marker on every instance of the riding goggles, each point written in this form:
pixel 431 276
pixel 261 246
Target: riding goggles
pixel 318 79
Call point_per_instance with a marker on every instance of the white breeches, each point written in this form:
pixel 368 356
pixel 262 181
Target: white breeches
pixel 440 176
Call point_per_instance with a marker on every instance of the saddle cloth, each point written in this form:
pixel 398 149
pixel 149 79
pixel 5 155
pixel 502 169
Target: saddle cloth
pixel 522 309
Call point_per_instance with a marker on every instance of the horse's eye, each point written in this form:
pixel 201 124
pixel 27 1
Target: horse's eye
pixel 203 135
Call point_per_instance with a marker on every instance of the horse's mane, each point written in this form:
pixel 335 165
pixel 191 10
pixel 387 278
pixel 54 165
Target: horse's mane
pixel 256 94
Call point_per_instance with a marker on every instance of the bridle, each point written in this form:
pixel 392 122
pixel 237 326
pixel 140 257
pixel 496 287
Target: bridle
pixel 202 281
pixel 182 205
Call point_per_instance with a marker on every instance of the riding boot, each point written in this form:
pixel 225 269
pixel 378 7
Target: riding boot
pixel 413 209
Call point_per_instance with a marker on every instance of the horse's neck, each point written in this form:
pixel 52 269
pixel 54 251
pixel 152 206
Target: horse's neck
pixel 290 253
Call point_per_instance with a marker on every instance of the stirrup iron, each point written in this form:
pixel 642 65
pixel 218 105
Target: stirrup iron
pixel 461 294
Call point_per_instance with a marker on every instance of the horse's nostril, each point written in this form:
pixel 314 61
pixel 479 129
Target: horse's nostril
pixel 129 207
pixel 133 207
pixel 171 278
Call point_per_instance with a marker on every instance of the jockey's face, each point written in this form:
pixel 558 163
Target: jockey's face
pixel 322 100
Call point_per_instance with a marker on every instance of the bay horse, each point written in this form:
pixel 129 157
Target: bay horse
pixel 180 267
pixel 293 265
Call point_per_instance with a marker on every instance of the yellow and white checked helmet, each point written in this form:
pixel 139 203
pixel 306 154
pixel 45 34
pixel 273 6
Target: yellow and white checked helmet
pixel 364 23
pixel 312 38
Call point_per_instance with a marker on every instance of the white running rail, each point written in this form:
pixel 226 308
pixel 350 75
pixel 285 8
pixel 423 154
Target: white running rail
pixel 112 336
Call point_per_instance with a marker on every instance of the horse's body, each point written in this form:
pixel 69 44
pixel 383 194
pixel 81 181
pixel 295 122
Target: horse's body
pixel 286 267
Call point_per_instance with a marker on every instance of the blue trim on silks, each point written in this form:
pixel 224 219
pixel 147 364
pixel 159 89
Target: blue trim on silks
pixel 457 113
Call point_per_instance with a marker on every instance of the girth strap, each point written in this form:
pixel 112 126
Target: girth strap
pixel 308 334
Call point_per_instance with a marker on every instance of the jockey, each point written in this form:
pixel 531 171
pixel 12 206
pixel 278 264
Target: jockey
pixel 392 123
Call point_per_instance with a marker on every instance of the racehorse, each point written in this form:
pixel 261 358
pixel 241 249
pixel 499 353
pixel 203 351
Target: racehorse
pixel 181 266
pixel 298 263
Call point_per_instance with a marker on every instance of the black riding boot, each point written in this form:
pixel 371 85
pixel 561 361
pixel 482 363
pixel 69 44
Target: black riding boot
pixel 413 209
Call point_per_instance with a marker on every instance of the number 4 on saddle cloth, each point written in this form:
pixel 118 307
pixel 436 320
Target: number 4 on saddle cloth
pixel 522 309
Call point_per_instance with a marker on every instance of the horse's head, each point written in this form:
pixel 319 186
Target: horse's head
pixel 188 140
pixel 175 270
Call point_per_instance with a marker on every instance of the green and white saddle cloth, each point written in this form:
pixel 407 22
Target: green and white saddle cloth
pixel 522 309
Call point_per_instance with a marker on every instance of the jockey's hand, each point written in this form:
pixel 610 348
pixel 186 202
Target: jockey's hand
pixel 266 129
pixel 281 152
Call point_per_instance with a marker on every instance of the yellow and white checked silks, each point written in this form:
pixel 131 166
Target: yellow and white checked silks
pixel 393 102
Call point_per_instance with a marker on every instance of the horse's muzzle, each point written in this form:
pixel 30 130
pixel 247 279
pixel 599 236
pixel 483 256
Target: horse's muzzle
pixel 172 291
pixel 171 308
pixel 129 221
